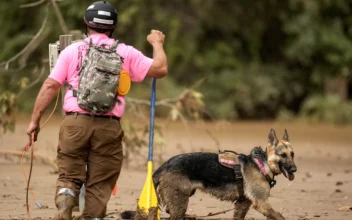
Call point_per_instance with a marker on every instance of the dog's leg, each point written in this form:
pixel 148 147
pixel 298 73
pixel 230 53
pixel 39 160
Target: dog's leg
pixel 241 209
pixel 178 207
pixel 174 192
pixel 265 208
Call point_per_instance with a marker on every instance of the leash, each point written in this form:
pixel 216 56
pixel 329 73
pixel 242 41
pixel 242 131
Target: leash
pixel 30 145
pixel 211 214
pixel 30 174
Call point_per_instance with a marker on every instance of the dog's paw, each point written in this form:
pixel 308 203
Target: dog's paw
pixel 128 214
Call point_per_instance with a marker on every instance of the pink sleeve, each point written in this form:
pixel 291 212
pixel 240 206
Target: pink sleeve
pixel 138 65
pixel 60 70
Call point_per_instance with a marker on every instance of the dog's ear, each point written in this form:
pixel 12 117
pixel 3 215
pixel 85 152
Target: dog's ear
pixel 273 141
pixel 285 137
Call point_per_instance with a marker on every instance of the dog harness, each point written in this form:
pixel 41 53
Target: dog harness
pixel 239 182
pixel 230 159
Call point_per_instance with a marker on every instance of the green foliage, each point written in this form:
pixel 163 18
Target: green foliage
pixel 258 57
pixel 328 109
pixel 252 92
pixel 7 110
pixel 319 36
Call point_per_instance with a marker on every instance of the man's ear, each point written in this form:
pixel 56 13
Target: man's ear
pixel 285 137
pixel 273 141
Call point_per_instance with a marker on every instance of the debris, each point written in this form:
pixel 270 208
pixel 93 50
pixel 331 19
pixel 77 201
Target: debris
pixel 54 172
pixel 338 190
pixel 308 174
pixel 39 205
pixel 44 207
pixel 345 208
pixel 339 183
pixel 347 171
pixel 329 174
pixel 40 158
pixel 317 216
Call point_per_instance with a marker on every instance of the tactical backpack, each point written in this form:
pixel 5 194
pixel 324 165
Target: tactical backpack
pixel 98 79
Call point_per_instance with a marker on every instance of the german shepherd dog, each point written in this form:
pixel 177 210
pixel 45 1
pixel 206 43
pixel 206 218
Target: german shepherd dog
pixel 178 178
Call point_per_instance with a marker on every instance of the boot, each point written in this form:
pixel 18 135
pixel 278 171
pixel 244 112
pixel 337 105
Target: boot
pixel 64 204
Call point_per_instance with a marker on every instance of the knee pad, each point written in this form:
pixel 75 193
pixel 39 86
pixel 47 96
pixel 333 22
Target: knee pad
pixel 65 199
pixel 66 192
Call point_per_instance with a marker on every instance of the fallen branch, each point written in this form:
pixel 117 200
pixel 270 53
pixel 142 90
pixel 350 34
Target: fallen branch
pixel 60 17
pixel 28 46
pixel 32 4
pixel 217 143
pixel 176 105
pixel 43 159
pixel 165 102
pixel 34 82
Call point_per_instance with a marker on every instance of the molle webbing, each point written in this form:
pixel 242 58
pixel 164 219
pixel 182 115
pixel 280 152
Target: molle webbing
pixel 228 158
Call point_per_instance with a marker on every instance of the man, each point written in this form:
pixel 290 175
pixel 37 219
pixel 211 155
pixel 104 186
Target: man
pixel 92 139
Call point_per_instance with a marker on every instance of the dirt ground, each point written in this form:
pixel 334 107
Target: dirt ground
pixel 323 182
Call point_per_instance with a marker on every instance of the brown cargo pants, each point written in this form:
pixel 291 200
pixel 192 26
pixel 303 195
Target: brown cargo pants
pixel 95 142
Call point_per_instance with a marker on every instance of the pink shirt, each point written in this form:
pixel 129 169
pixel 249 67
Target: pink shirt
pixel 70 60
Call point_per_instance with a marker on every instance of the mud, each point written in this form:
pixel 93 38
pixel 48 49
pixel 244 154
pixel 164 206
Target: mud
pixel 323 183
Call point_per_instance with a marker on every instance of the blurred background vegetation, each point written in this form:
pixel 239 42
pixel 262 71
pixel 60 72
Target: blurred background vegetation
pixel 257 60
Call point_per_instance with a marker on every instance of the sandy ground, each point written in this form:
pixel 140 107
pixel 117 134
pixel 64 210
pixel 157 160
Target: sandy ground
pixel 323 182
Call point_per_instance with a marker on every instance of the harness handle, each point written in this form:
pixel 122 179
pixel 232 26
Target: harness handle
pixel 228 151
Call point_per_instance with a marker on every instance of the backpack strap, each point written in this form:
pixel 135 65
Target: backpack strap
pixel 74 91
pixel 90 43
pixel 114 46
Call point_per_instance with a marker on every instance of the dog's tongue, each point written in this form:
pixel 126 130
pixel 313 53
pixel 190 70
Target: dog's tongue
pixel 291 176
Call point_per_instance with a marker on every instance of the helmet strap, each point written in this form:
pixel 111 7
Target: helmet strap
pixel 112 31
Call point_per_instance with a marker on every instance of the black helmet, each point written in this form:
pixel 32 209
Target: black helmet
pixel 101 15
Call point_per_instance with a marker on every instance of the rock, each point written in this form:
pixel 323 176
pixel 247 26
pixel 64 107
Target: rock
pixel 345 208
pixel 339 183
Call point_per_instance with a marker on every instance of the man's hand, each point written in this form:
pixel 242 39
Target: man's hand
pixel 159 65
pixel 33 127
pixel 156 37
